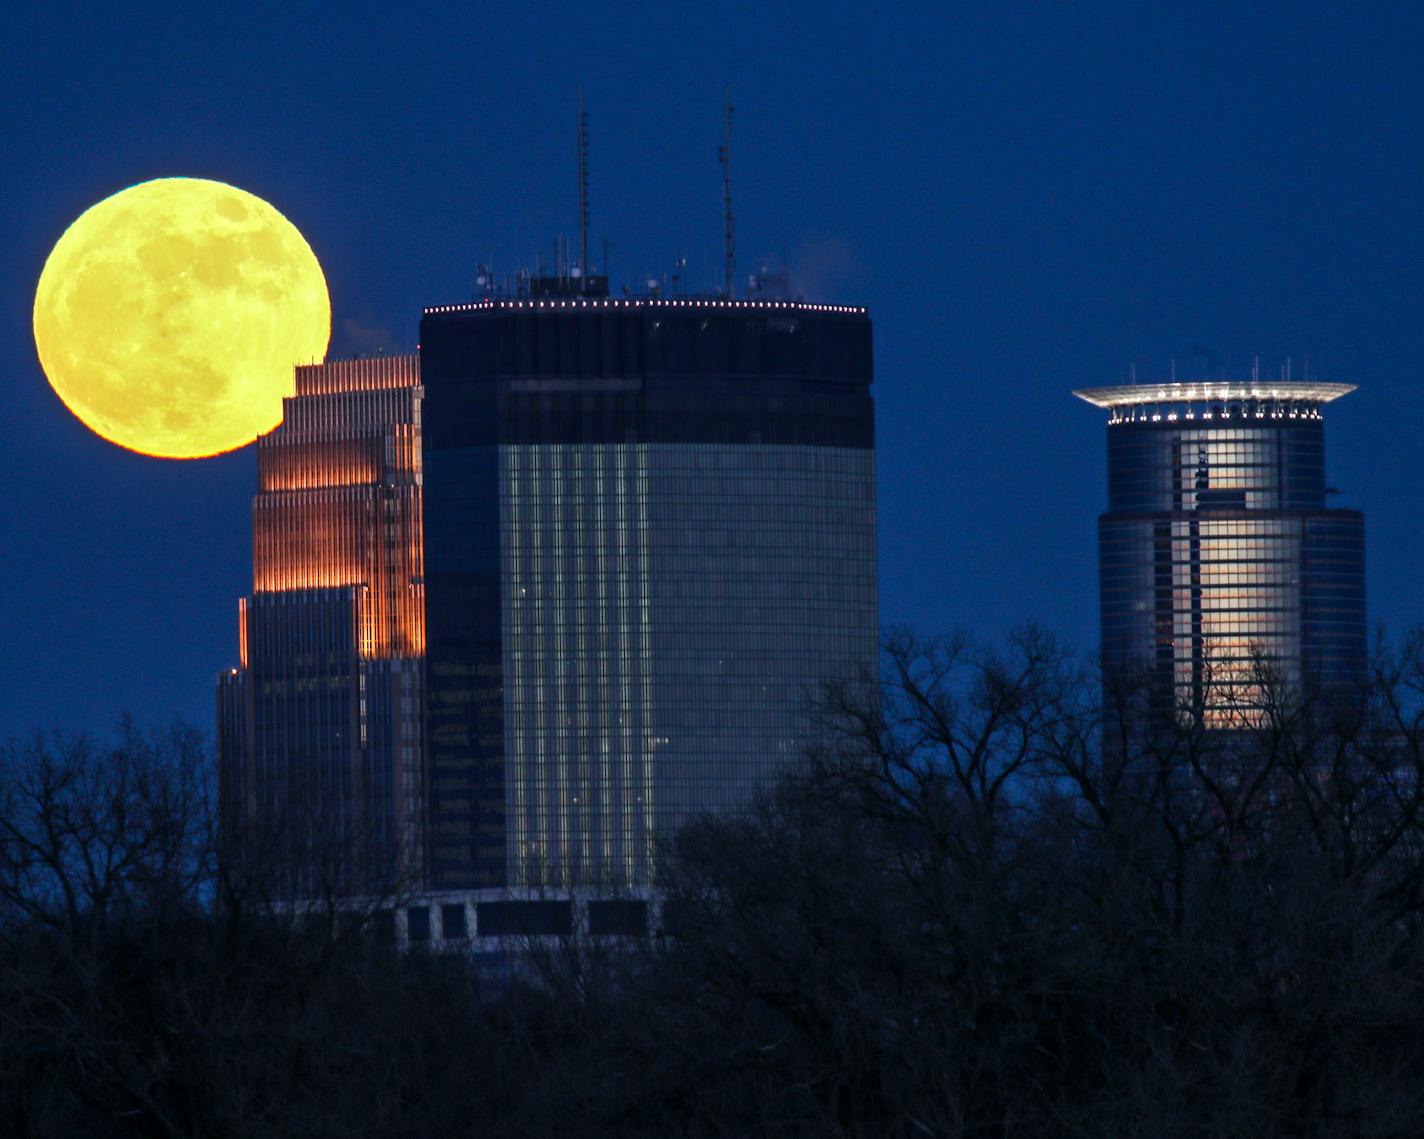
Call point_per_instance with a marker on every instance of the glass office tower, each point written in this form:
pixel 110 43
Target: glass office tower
pixel 319 730
pixel 650 534
pixel 1220 562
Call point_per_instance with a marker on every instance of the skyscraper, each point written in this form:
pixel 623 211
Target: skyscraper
pixel 319 730
pixel 1220 561
pixel 650 532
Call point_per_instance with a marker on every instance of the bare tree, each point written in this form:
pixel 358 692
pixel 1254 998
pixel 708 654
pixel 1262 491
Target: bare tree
pixel 998 899
pixel 152 983
pixel 995 903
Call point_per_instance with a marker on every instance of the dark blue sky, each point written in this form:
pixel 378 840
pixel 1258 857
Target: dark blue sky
pixel 1029 201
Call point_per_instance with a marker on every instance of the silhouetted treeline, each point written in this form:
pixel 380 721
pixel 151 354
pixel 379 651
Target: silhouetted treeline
pixel 990 903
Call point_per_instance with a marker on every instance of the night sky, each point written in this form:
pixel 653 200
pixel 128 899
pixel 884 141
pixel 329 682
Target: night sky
pixel 1027 201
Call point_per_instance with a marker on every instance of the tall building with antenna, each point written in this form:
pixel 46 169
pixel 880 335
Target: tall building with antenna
pixel 650 537
pixel 1221 562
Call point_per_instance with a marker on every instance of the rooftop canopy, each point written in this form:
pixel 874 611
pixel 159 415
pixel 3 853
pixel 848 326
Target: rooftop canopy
pixel 1135 395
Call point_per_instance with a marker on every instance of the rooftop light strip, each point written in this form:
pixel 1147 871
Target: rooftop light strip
pixel 1137 395
pixel 642 302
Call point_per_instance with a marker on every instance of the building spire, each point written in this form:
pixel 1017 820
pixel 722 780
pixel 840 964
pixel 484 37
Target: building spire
pixel 583 187
pixel 724 156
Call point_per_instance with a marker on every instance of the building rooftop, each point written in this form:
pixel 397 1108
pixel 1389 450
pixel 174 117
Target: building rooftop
pixel 1135 395
pixel 536 304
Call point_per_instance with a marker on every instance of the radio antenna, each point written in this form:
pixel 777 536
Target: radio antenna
pixel 724 156
pixel 583 187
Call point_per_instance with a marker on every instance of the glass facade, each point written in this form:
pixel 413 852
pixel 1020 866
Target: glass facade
pixel 763 585
pixel 665 608
pixel 320 729
pixel 650 532
pixel 576 608
pixel 1220 561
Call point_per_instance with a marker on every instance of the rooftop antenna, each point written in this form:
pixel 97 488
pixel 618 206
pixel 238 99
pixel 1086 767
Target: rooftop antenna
pixel 583 186
pixel 724 156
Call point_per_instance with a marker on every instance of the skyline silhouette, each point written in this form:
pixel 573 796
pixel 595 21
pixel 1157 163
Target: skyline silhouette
pixel 1027 203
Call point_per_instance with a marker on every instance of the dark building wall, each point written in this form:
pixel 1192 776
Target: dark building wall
pixel 622 340
pixel 233 730
pixel 464 689
pixel 650 527
pixel 1333 628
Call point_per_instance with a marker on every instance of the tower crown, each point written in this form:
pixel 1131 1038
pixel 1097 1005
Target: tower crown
pixel 1213 399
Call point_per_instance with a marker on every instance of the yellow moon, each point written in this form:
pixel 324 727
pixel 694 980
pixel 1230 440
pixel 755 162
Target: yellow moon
pixel 169 316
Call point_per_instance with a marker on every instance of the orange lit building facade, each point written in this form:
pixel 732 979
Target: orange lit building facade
pixel 319 728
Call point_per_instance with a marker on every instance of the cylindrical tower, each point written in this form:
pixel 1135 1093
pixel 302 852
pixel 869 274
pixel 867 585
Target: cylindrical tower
pixel 1219 562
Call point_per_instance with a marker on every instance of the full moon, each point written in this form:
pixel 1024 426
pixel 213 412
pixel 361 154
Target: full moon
pixel 169 316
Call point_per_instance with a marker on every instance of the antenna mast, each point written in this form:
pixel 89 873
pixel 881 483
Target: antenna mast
pixel 583 187
pixel 724 156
